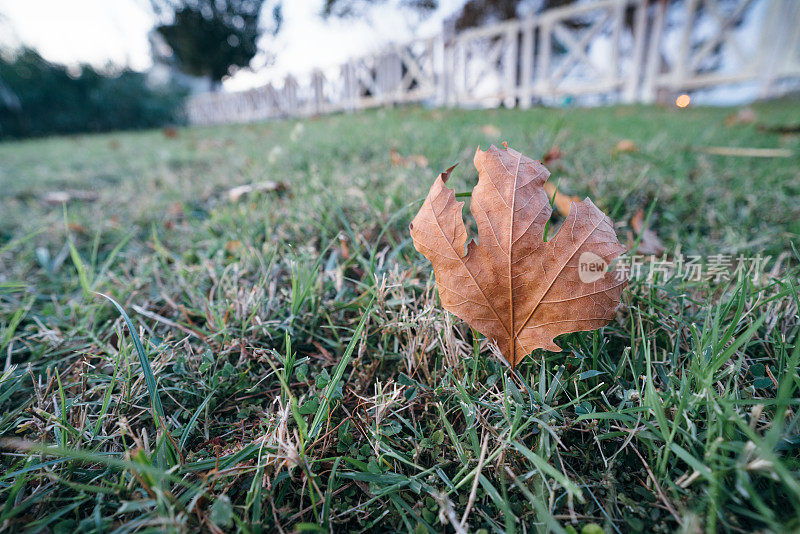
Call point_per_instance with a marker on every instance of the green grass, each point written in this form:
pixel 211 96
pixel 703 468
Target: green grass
pixel 281 362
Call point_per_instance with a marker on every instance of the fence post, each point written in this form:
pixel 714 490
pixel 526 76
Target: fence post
pixel 271 100
pixel 444 76
pixel 317 80
pixel 383 77
pixel 776 34
pixel 545 48
pixel 526 72
pixel 349 86
pixel 448 71
pixel 653 63
pixel 381 87
pixel 681 64
pixel 390 85
pixel 510 61
pixel 460 72
pixel 250 104
pixel 618 17
pixel 637 66
pixel 290 95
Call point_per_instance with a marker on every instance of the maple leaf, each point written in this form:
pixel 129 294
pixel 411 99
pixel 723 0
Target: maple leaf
pixel 625 145
pixel 649 243
pixel 512 286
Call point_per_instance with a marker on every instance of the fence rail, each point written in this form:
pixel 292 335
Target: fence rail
pixel 608 50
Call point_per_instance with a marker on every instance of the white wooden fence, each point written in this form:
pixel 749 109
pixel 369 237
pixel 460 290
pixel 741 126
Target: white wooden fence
pixel 605 50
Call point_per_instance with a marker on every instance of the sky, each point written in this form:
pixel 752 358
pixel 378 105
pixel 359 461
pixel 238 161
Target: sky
pixel 102 31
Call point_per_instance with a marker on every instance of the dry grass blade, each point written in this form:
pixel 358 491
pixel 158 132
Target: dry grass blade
pixel 746 152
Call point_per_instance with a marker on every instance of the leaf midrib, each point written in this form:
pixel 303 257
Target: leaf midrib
pixel 466 267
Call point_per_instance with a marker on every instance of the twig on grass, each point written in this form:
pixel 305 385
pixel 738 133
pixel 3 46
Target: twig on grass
pixel 473 492
pixel 658 487
pixel 447 514
pixel 746 152
pixel 161 319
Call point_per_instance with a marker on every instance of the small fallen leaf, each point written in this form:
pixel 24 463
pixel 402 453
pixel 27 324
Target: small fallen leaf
pixel 417 160
pixel 170 132
pixel 235 193
pixel 175 210
pixel 512 286
pixel 343 246
pixel 297 131
pixel 562 202
pixel 77 228
pixel 490 130
pixel 233 246
pixel 274 154
pixel 175 214
pixel 649 243
pixel 324 354
pixel 743 116
pixel 625 145
pixel 208 144
pixel 552 155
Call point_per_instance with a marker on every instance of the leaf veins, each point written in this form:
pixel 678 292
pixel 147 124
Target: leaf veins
pixel 514 287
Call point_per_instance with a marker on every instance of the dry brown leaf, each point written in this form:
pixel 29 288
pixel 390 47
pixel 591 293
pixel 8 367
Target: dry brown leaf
pixel 235 193
pixel 233 246
pixel 208 144
pixel 78 228
pixel 490 130
pixel 552 155
pixel 649 243
pixel 743 116
pixel 175 210
pixel 562 202
pixel 626 145
pixel 414 159
pixel 514 287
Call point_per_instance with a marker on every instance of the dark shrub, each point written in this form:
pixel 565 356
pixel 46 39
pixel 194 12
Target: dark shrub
pixel 41 98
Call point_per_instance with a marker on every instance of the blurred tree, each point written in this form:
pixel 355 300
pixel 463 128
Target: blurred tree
pixel 479 12
pixel 213 38
pixel 473 13
pixel 355 8
pixel 39 98
pixel 8 99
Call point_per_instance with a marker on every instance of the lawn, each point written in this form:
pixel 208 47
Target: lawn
pixel 279 361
